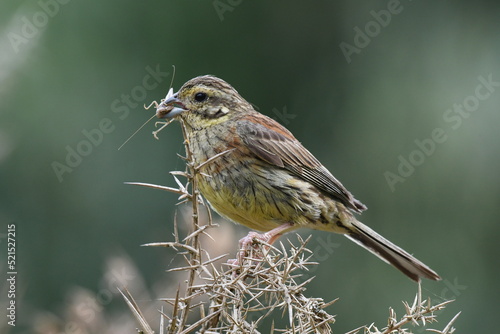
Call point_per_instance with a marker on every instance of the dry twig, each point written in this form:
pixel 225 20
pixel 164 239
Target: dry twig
pixel 238 299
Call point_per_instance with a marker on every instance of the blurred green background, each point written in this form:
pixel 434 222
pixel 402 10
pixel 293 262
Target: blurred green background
pixel 358 87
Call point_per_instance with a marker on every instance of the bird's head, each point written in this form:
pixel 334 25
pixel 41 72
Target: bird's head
pixel 203 101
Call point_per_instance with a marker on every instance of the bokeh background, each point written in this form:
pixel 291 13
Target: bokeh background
pixel 359 101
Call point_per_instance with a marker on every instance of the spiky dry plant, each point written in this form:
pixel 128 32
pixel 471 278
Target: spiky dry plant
pixel 419 314
pixel 265 287
pixel 233 299
pixel 237 299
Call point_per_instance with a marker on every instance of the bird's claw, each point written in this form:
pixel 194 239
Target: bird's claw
pixel 249 250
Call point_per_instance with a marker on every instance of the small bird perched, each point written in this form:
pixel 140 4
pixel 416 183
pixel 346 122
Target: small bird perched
pixel 264 178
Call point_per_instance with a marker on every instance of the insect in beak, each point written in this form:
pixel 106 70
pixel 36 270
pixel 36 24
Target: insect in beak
pixel 170 106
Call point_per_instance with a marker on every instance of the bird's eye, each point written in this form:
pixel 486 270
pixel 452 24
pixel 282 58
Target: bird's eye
pixel 200 97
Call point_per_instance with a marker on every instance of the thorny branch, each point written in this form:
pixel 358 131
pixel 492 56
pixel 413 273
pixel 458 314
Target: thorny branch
pixel 238 300
pixel 420 313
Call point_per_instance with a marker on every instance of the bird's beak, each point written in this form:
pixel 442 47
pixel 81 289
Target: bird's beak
pixel 170 107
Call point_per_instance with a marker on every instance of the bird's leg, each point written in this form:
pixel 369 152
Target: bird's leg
pixel 269 237
pixel 247 244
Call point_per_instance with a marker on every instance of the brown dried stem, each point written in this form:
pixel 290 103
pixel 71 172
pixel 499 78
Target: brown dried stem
pixel 239 299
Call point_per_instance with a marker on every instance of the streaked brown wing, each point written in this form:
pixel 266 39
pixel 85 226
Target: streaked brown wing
pixel 283 150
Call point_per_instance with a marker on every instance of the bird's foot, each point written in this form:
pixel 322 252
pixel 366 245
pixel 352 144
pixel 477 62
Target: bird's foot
pixel 250 251
pixel 251 246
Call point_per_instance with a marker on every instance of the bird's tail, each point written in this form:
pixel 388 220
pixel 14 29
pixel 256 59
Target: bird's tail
pixel 389 252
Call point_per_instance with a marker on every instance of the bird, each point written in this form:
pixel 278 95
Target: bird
pixel 254 172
